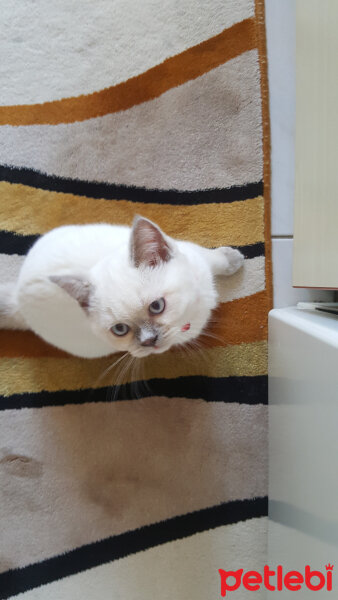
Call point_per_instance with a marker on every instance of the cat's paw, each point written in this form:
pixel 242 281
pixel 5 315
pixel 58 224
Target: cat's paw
pixel 234 260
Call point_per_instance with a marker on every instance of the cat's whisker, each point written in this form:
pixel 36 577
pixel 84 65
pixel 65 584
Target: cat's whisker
pixel 145 382
pixel 138 379
pixel 108 369
pixel 119 376
pixel 126 369
pixel 182 348
pixel 113 388
pixel 216 321
pixel 187 349
pixel 197 347
pixel 135 377
pixel 133 383
pixel 213 336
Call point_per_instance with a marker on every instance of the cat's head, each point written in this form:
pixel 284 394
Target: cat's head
pixel 148 300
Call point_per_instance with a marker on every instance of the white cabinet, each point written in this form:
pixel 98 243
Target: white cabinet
pixel 316 152
pixel 303 443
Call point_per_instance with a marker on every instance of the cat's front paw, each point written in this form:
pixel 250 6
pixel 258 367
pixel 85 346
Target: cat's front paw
pixel 234 260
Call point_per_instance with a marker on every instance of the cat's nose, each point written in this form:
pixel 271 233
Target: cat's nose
pixel 150 341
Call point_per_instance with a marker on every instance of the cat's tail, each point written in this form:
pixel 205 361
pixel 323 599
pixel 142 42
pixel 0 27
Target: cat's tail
pixel 10 316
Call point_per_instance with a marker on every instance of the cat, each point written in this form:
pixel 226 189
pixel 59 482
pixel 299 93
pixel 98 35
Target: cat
pixel 93 290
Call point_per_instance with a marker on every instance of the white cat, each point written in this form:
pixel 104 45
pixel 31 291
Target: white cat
pixel 92 290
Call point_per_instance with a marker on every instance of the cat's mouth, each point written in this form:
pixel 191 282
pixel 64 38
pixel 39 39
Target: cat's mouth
pixel 142 352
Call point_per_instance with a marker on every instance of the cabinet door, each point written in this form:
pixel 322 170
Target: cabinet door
pixel 316 190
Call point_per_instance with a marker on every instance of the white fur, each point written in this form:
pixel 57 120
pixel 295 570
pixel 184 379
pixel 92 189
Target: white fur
pixel 101 256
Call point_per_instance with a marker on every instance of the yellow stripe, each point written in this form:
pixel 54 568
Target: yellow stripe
pixel 28 210
pixel 24 375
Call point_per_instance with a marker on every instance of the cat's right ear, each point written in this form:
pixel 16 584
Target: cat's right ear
pixel 77 287
pixel 149 246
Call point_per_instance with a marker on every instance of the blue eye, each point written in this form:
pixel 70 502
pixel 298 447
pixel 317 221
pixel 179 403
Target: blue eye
pixel 120 329
pixel 157 307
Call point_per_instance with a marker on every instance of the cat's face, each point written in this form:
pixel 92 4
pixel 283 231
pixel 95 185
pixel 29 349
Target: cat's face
pixel 151 301
pixel 155 301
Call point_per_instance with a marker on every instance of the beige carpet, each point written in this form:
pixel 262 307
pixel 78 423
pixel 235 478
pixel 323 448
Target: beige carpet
pixel 145 489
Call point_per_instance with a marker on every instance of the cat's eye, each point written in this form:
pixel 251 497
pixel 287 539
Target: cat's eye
pixel 120 329
pixel 157 307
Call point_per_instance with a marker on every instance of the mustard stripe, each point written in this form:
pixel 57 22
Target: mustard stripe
pixel 35 211
pixel 32 375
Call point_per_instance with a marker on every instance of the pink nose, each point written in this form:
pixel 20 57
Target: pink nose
pixel 151 341
pixel 186 327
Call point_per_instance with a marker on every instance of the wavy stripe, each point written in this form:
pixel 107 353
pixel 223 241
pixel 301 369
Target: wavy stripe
pixel 119 482
pixel 207 127
pixel 240 321
pixel 35 211
pixel 109 191
pixel 26 343
pixel 242 390
pixel 16 243
pixel 228 328
pixel 249 251
pixel 246 282
pixel 91 49
pixel 173 72
pixel 34 375
pixel 169 571
pixel 17 581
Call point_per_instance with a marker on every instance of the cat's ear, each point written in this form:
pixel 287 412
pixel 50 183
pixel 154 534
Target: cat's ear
pixel 77 287
pixel 148 244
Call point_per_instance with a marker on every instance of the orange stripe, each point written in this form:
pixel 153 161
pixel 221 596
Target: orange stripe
pixel 172 72
pixel 262 53
pixel 236 322
pixel 240 321
pixel 25 343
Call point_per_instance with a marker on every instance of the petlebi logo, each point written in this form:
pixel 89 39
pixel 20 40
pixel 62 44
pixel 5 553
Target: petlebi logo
pixel 277 580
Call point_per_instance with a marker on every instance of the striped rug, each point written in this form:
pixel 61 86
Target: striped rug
pixel 142 490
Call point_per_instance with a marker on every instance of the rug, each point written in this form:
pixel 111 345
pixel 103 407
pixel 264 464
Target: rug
pixel 139 484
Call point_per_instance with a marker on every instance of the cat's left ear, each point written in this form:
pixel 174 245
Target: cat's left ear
pixel 77 287
pixel 149 246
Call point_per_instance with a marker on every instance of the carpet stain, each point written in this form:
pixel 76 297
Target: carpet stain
pixel 21 466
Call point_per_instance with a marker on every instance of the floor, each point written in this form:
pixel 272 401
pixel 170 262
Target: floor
pixel 281 39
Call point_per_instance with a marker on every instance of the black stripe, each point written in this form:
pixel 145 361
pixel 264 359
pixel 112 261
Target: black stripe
pixel 253 250
pixel 244 390
pixel 14 243
pixel 110 191
pixel 86 557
